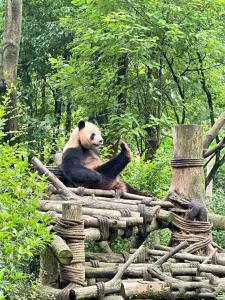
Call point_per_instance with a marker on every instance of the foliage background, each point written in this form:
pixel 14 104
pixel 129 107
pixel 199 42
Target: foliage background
pixel 135 68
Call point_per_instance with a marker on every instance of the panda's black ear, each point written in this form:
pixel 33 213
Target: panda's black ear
pixel 81 124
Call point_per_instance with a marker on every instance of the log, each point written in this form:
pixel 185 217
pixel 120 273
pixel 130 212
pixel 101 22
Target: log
pixel 108 270
pixel 94 234
pixel 105 257
pixel 47 293
pixel 155 271
pixel 147 201
pixel 108 193
pixel 173 251
pixel 113 297
pixel 118 258
pixel 57 206
pixel 46 205
pixel 159 290
pixel 90 221
pixel 148 290
pixel 188 182
pixel 104 246
pixel 134 266
pixel 49 269
pixel 133 271
pixel 180 256
pixel 213 132
pixel 61 250
pixel 217 220
pixel 53 179
pixel 43 292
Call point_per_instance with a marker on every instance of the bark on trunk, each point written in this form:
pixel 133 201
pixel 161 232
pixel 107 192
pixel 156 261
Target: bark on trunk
pixel 48 268
pixel 188 184
pixel 9 59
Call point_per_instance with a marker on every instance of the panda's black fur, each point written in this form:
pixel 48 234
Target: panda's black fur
pixel 81 164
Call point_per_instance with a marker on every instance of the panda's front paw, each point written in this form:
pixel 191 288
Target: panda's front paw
pixel 125 149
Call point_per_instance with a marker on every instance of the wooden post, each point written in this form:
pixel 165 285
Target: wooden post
pixel 48 268
pixel 188 183
pixel 71 211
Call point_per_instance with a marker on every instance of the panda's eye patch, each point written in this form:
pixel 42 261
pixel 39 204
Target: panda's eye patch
pixel 92 136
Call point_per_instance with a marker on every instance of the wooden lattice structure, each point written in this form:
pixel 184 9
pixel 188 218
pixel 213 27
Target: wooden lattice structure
pixel 80 215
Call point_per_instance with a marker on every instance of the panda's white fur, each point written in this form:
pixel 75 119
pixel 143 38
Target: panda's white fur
pixel 82 138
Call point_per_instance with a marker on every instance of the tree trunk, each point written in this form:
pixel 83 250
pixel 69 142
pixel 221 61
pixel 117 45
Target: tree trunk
pixel 188 184
pixel 48 268
pixel 68 121
pixel 9 59
pixel 188 181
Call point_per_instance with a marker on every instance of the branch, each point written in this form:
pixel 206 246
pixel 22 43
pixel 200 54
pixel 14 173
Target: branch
pixel 216 166
pixel 206 90
pixel 213 132
pixel 199 69
pixel 179 87
pixel 173 107
pixel 216 148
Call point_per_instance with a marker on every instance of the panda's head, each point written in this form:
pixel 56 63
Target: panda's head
pixel 89 135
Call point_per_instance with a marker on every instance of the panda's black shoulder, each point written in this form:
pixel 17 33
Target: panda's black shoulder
pixel 73 154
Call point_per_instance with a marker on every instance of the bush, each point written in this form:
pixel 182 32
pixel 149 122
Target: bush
pixel 151 176
pixel 217 206
pixel 22 228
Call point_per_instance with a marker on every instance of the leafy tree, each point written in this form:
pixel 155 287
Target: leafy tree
pixel 154 59
pixel 42 104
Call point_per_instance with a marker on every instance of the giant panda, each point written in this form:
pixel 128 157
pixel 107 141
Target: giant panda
pixel 81 164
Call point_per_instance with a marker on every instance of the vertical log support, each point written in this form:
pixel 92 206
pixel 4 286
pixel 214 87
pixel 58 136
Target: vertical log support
pixel 187 163
pixel 188 186
pixel 75 272
pixel 48 268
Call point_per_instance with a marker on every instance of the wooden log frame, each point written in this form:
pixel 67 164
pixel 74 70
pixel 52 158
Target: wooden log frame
pixel 95 205
pixel 132 290
pixel 112 285
pixel 108 209
pixel 127 201
pixel 218 221
pixel 63 190
pixel 90 221
pixel 107 270
pixel 167 286
pixel 118 258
